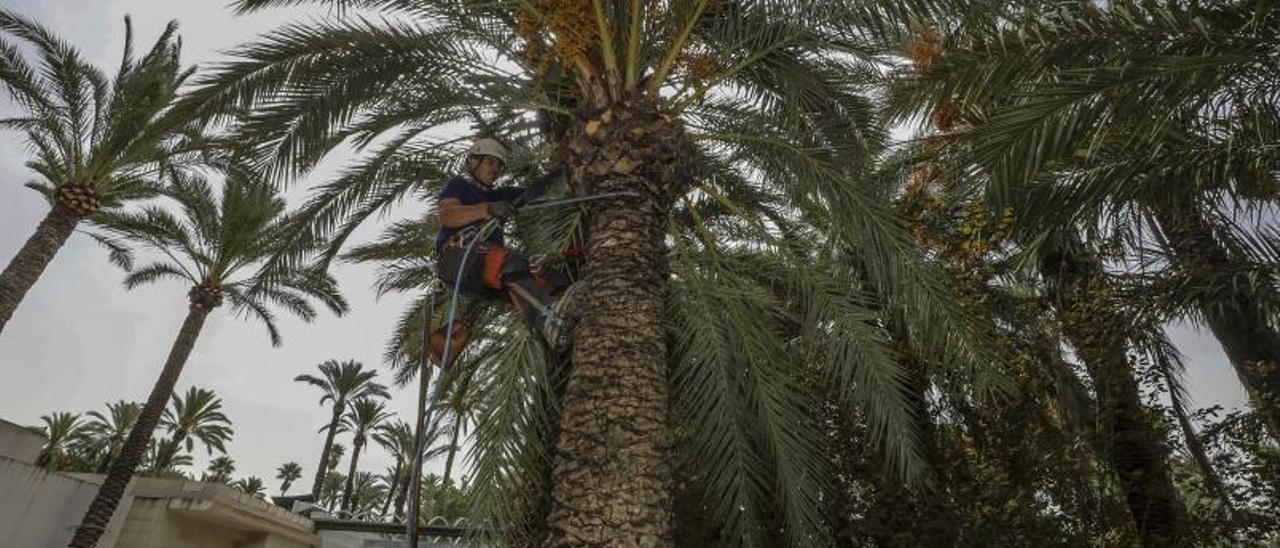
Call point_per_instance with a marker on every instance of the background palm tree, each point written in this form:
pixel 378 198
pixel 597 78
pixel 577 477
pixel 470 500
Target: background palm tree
pixel 251 485
pixel 341 383
pixel 1119 134
pixel 198 416
pixel 287 473
pixel 363 418
pixel 335 456
pixel 218 246
pixel 62 431
pixel 106 433
pixel 397 439
pixel 368 492
pixel 1161 159
pixel 157 462
pixel 331 490
pixel 96 141
pixel 219 470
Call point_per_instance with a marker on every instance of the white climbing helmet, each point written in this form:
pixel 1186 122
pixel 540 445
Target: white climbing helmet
pixel 488 147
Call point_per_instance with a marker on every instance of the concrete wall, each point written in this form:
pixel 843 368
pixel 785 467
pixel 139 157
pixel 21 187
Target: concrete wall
pixel 18 443
pixel 43 508
pixel 39 508
pixel 150 524
pixel 174 513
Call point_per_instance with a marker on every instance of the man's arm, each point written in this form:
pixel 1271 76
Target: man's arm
pixel 453 214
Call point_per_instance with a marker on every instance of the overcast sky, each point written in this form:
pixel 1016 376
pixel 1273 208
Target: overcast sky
pixel 79 339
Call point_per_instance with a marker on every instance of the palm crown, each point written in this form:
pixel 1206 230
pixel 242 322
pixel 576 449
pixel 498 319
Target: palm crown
pixel 197 416
pixel 97 140
pixel 345 381
pixel 220 245
pixel 220 469
pixel 106 433
pixel 287 473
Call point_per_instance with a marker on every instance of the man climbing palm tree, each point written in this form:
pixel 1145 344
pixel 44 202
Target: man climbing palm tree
pixel 466 203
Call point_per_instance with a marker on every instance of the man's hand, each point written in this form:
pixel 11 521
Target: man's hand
pixel 500 210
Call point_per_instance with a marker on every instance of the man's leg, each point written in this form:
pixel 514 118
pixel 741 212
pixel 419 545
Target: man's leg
pixel 510 271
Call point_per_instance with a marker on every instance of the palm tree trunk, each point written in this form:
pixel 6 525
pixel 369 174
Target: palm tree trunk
pixel 395 486
pixel 25 267
pixel 612 473
pixel 351 475
pixel 135 446
pixel 1132 445
pixel 1233 313
pixel 323 467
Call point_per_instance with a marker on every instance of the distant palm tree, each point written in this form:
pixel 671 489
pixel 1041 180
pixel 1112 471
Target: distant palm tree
pixel 397 438
pixel 156 462
pixel 221 247
pixel 198 416
pixel 96 142
pixel 335 455
pixel 105 434
pixel 341 382
pixel 220 470
pixel 251 485
pixel 62 432
pixel 364 417
pixel 368 492
pixel 392 479
pixel 287 473
pixel 331 489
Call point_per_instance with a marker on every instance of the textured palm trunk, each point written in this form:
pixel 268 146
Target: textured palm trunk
pixel 135 446
pixel 351 474
pixel 612 474
pixel 25 267
pixel 1233 315
pixel 323 467
pixel 1132 445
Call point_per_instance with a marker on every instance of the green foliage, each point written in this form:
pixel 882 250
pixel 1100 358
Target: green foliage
pixel 287 474
pixel 219 470
pixel 251 485
pixel 222 243
pixel 113 134
pixel 196 417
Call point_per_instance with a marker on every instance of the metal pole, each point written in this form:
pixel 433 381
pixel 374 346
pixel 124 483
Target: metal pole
pixel 411 525
pixel 566 201
pixel 424 380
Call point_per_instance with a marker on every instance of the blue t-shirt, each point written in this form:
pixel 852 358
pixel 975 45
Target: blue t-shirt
pixel 469 193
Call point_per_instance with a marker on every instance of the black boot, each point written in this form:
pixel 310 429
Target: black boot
pixel 540 313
